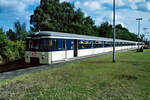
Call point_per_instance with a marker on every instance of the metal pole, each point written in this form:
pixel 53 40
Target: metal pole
pixel 114 31
pixel 138 19
pixel 138 34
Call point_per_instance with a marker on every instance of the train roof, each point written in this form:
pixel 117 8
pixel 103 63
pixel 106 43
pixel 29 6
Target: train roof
pixel 72 36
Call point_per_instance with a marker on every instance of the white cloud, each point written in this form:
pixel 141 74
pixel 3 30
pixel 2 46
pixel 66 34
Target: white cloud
pixel 93 5
pixel 77 4
pixel 64 1
pixel 12 10
pixel 120 3
pixel 86 3
pixel 110 2
pixel 85 15
pixel 136 1
pixel 31 2
pixel 17 6
pixel 133 6
pixel 148 5
pixel 106 2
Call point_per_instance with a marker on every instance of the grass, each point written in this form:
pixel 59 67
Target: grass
pixel 92 79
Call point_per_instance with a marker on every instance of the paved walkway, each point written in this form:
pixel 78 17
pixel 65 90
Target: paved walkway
pixel 12 74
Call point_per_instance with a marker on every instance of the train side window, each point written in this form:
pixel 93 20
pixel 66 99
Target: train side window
pixel 50 44
pixel 55 44
pixel 85 44
pixel 64 44
pixel 92 44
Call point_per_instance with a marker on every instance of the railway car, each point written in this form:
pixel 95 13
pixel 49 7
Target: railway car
pixel 46 47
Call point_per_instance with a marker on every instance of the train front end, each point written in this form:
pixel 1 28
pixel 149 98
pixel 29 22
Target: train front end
pixel 38 50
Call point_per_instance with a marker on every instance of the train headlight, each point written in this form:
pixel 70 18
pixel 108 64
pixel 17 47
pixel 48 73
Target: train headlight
pixel 43 54
pixel 27 56
pixel 43 57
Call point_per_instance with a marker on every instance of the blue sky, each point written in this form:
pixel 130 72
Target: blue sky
pixel 99 10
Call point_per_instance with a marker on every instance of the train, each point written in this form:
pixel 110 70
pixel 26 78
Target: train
pixel 47 47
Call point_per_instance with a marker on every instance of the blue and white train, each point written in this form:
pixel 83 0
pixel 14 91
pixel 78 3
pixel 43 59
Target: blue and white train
pixel 47 47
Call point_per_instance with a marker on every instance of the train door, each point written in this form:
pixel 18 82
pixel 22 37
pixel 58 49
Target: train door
pixel 65 48
pixel 75 48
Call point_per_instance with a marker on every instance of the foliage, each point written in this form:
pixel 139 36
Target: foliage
pixel 146 47
pixel 62 17
pixel 11 35
pixel 1 58
pixel 10 50
pixel 106 30
pixel 12 46
pixel 20 30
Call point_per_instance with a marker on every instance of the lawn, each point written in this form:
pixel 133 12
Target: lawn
pixel 95 78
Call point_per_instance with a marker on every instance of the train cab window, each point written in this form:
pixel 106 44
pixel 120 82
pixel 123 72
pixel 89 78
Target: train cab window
pixel 32 45
pixel 28 44
pixel 35 44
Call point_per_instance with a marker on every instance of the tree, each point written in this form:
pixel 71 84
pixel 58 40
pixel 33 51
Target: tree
pixel 123 33
pixel 11 35
pixel 10 50
pixel 105 30
pixel 52 15
pixel 20 30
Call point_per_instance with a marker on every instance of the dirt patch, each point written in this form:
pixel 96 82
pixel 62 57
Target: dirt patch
pixel 1 62
pixel 15 65
pixel 98 62
pixel 127 77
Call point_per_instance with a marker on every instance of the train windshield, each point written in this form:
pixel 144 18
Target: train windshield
pixel 38 45
pixel 33 45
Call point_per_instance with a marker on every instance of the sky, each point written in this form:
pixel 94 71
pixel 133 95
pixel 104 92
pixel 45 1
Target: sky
pixel 100 11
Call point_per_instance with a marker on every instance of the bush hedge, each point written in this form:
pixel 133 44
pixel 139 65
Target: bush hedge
pixel 11 50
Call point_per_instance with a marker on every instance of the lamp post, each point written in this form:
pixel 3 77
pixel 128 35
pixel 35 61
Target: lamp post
pixel 114 30
pixel 145 34
pixel 138 19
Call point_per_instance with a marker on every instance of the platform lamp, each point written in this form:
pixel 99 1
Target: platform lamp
pixel 114 30
pixel 138 19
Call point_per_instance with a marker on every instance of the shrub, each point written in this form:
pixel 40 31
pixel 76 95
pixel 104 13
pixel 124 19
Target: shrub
pixel 10 50
pixel 146 47
pixel 0 58
pixel 15 50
